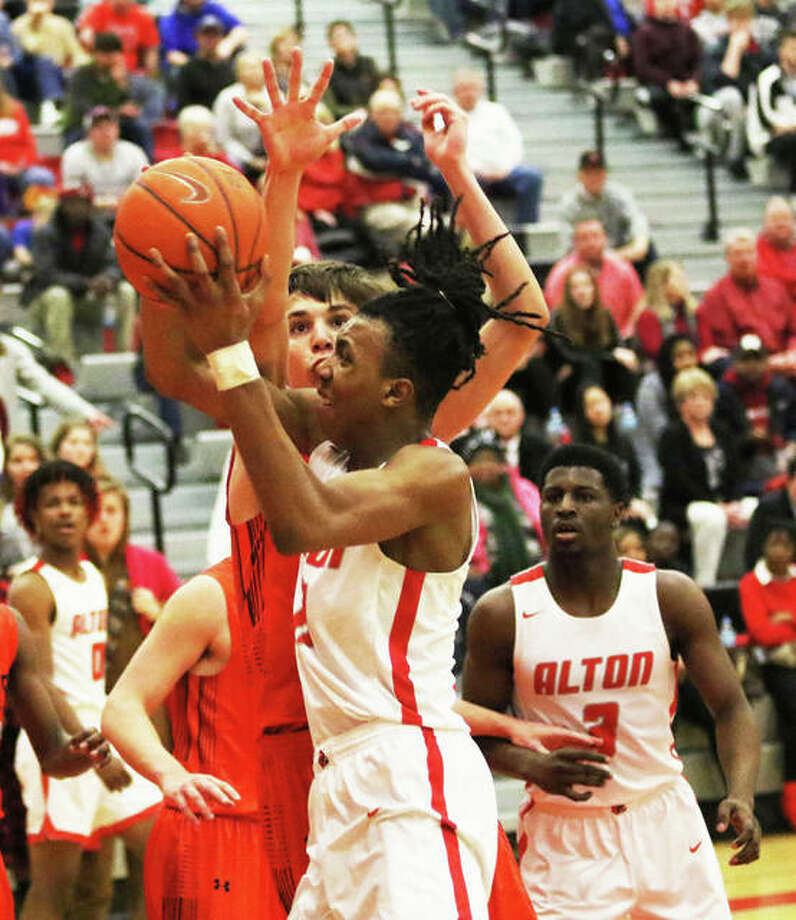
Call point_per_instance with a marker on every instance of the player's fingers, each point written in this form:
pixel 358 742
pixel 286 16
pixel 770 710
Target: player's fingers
pixel 723 816
pixel 82 737
pixel 576 796
pixel 226 263
pixel 201 275
pixel 212 788
pixel 251 111
pixel 271 85
pixel 347 123
pixel 171 284
pixel 102 754
pixel 322 83
pixel 196 801
pixel 294 75
pixel 557 737
pixel 179 800
pixel 575 753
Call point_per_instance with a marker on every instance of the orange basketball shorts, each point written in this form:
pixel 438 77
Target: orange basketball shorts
pixel 509 900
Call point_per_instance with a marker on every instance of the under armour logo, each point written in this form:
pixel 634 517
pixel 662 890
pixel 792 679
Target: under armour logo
pixel 218 885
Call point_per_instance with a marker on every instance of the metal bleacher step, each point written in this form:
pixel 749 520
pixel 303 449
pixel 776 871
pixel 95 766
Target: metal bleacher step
pixel 188 506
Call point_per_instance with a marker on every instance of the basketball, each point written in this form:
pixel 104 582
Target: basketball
pixel 186 194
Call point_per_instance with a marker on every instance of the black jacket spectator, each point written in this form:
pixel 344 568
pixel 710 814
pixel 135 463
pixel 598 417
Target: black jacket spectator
pixel 401 157
pixel 665 50
pixel 201 80
pixel 773 510
pixel 685 476
pixel 351 85
pixel 622 448
pixel 575 18
pixel 57 261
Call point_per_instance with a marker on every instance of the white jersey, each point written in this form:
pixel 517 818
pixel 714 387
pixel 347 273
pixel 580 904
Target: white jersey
pixel 78 635
pixel 611 675
pixel 374 639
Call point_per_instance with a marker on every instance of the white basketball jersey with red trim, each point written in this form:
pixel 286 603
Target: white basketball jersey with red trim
pixel 611 675
pixel 374 639
pixel 78 636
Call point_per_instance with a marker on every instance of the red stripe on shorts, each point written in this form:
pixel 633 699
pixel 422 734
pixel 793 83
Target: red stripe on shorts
pixel 401 632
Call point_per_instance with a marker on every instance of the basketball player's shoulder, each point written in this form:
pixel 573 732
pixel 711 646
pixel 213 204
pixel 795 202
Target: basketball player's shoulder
pixel 491 622
pixel 200 604
pixel 432 469
pixel 681 601
pixel 30 594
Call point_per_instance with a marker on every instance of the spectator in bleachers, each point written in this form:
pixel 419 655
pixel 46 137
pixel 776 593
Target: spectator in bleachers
pixel 701 488
pixel 387 151
pixel 103 161
pixel 585 29
pixel 280 51
pixel 772 117
pixel 449 19
pixel 613 204
pixel 24 453
pixel 139 580
pixel 663 547
pixel 729 68
pixel 178 30
pixel 775 509
pixel 202 78
pixel 710 24
pixel 666 58
pixel 136 100
pixel 197 134
pixel 524 448
pixel 76 276
pixel 51 43
pixel 18 154
pixel 77 441
pixel 776 244
pixel 236 132
pixel 591 350
pixel 768 602
pixel 39 201
pixel 760 408
pixel 494 148
pixel 18 367
pixel 135 27
pixel 743 302
pixel 620 289
pixel 596 425
pixel 630 540
pixel 655 407
pixel 355 77
pixel 669 307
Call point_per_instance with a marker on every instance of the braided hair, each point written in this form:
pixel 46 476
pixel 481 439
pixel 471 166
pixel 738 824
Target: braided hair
pixel 437 312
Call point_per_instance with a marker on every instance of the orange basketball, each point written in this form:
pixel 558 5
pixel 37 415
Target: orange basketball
pixel 185 194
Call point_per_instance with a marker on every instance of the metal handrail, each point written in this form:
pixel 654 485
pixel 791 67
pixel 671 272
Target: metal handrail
pixel 487 47
pixel 712 228
pixel 157 486
pixel 34 401
pixel 601 98
pixel 388 8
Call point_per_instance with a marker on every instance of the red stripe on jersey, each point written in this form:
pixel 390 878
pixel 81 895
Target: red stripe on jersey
pixel 38 564
pixel 401 632
pixel 436 778
pixel 633 565
pixel 533 574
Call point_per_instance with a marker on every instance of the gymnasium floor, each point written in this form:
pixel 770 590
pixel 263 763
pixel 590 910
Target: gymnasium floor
pixel 765 890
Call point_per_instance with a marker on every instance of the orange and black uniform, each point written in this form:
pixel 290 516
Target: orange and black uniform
pixel 265 582
pixel 214 870
pixel 9 639
pixel 509 900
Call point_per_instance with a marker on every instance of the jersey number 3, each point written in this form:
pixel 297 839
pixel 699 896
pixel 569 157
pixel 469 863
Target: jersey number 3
pixel 601 720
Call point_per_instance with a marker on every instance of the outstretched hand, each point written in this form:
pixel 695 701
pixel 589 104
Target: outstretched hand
pixel 292 135
pixel 541 737
pixel 738 815
pixel 214 310
pixel 445 138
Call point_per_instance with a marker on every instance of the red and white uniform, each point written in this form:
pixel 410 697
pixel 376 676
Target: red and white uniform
pixel 9 639
pixel 80 808
pixel 639 845
pixel 401 791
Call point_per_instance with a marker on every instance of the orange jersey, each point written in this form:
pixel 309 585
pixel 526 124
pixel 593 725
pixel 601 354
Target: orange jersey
pixel 211 716
pixel 9 638
pixel 265 582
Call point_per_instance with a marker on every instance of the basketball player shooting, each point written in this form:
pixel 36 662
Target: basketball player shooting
pixel 591 641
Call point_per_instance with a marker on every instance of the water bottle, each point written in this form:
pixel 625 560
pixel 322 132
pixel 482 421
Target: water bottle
pixel 556 428
pixel 727 633
pixel 627 418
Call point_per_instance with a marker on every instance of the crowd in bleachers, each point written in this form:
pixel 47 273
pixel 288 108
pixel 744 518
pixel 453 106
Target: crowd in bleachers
pixel 694 395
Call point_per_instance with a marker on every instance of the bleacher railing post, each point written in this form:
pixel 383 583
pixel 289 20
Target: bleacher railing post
pixel 711 230
pixel 389 27
pixel 299 17
pixel 599 130
pixel 491 85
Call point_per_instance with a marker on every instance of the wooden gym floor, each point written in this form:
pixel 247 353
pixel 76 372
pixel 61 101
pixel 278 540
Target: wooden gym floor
pixel 765 890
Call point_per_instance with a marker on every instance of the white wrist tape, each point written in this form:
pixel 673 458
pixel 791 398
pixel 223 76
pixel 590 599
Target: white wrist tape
pixel 233 366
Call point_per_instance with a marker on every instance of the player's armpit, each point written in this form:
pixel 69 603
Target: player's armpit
pixel 488 677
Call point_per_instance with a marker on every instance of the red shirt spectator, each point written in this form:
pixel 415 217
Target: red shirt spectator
pixel 17 143
pixel 776 245
pixel 741 302
pixel 764 601
pixel 620 290
pixel 135 27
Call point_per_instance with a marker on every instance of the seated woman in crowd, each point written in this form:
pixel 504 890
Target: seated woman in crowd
pixel 24 453
pixel 655 407
pixel 594 353
pixel 701 485
pixel 768 602
pixel 76 440
pixel 139 580
pixel 238 135
pixel 630 541
pixel 670 307
pixel 18 154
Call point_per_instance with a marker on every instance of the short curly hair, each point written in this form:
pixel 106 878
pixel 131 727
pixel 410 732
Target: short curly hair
pixel 49 473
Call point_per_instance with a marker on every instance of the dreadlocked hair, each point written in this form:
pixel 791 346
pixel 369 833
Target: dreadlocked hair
pixel 437 312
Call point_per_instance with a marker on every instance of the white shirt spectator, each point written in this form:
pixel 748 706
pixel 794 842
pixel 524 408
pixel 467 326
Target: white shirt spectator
pixel 236 132
pixel 109 177
pixel 494 142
